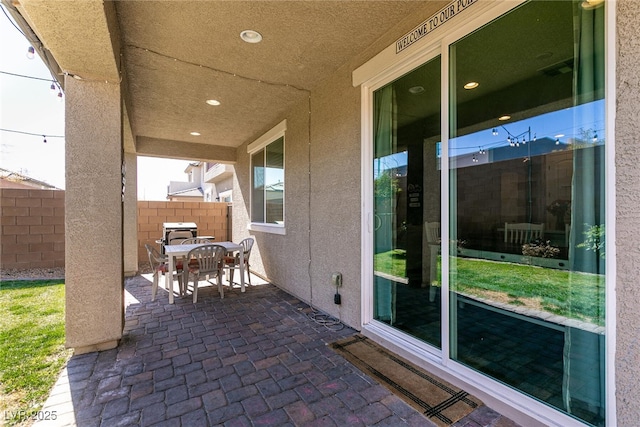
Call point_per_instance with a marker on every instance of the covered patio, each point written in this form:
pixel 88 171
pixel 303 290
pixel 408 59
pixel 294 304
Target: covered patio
pixel 253 358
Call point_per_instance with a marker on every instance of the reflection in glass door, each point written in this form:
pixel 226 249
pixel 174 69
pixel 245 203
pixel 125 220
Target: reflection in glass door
pixel 526 156
pixel 407 203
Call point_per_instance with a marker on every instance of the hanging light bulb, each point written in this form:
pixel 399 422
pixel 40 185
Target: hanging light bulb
pixel 494 132
pixel 45 138
pixel 509 141
pixel 60 95
pixel 31 52
pixel 557 141
pixel 53 88
pixel 595 137
pixel 534 137
pixel 475 159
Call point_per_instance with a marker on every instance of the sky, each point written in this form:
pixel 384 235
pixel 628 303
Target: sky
pixel 29 106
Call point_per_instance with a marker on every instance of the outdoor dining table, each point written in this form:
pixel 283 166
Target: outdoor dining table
pixel 175 251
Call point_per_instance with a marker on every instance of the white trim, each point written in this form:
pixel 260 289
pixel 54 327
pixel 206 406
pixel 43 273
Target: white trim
pixel 271 135
pixel 267 228
pixel 366 206
pixel 610 213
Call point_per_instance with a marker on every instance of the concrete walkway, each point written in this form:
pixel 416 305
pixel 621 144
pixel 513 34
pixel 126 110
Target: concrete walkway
pixel 253 359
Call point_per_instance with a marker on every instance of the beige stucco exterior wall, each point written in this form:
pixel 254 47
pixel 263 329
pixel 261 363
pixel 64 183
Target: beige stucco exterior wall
pixel 322 193
pixel 94 219
pixel 627 236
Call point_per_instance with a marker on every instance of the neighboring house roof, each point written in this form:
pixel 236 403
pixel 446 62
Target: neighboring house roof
pixel 10 179
pixel 190 192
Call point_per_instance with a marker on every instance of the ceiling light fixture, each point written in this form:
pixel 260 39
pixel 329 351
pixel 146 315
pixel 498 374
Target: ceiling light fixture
pixel 251 36
pixel 416 90
pixel 213 102
pixel 471 85
pixel 505 117
pixel 195 133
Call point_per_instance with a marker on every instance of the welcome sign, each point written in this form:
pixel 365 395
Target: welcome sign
pixel 437 19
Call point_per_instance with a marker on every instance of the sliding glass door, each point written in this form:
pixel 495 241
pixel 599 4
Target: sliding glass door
pixel 525 282
pixel 406 175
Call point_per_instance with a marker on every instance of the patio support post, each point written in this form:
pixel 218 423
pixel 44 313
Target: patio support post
pixel 130 237
pixel 93 215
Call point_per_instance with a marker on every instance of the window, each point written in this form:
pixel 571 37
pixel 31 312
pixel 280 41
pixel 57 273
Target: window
pixel 522 168
pixel 267 179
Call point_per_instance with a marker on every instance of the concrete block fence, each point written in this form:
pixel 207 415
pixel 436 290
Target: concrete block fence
pixel 32 228
pixel 32 221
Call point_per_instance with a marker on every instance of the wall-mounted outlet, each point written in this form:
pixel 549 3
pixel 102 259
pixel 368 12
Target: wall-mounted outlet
pixel 336 279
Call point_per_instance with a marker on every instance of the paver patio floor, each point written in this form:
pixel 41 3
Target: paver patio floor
pixel 252 359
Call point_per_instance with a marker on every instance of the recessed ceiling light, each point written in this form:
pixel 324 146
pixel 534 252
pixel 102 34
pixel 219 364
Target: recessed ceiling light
pixel 471 85
pixel 505 117
pixel 213 102
pixel 416 90
pixel 251 36
pixel 195 133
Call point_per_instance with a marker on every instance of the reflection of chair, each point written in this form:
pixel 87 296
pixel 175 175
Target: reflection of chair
pixel 159 266
pixel 233 262
pixel 209 264
pixel 432 232
pixel 523 232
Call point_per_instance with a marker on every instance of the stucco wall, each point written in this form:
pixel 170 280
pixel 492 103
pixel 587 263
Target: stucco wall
pixel 628 213
pixel 322 159
pixel 32 228
pixel 211 219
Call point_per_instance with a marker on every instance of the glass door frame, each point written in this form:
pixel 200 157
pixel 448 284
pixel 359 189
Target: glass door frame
pixel 382 70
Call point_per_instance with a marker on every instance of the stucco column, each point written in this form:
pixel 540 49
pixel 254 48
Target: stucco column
pixel 130 237
pixel 93 215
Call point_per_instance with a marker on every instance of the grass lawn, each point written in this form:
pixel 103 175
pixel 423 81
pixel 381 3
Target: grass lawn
pixel 32 349
pixel 570 294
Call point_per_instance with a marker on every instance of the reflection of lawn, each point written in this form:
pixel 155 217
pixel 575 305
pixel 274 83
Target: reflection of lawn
pixel 569 294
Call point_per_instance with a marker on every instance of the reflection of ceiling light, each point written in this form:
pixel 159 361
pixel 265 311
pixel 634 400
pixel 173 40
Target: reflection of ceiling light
pixel 416 90
pixel 560 135
pixel 251 36
pixel 213 102
pixel 195 133
pixel 591 4
pixel 471 85
pixel 505 117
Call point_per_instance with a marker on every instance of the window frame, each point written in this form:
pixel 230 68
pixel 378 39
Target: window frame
pixel 271 136
pixel 381 70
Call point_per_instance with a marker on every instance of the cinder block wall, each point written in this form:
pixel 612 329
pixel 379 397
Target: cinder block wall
pixel 32 228
pixel 211 219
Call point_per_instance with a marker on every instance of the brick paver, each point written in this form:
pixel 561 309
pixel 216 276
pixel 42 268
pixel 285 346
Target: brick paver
pixel 251 359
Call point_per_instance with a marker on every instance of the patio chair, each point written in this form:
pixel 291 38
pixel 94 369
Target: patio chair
pixel 160 266
pixel 232 263
pixel 209 259
pixel 194 240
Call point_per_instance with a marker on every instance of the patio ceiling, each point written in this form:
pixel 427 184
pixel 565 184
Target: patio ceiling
pixel 175 55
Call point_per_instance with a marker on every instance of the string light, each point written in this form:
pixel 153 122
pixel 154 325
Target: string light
pixel 31 52
pixel 44 136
